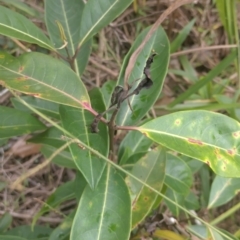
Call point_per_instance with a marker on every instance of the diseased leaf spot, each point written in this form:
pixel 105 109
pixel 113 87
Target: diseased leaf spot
pixel 2 56
pixel 146 199
pixel 35 94
pixel 22 78
pixel 231 152
pixel 208 163
pixel 145 134
pixel 216 151
pixel 86 105
pixel 178 122
pixel 195 141
pixel 21 69
pixel 236 134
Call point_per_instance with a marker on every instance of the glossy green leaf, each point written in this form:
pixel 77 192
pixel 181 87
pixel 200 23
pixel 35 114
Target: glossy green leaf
pixel 43 77
pixel 105 212
pixel 142 102
pixel 151 170
pixel 210 137
pixel 133 143
pixel 68 14
pixel 98 14
pixel 15 25
pixel 5 222
pixel 77 122
pixel 46 107
pixel 61 194
pixel 63 159
pixel 223 190
pixel 14 122
pixel 178 174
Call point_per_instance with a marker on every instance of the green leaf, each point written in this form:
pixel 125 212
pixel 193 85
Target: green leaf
pixel 4 237
pixel 193 164
pixel 21 6
pixel 25 232
pixel 46 107
pixel 223 190
pixel 62 231
pixel 151 170
pixel 61 194
pixel 51 137
pixel 63 159
pixel 44 77
pixel 107 90
pixel 142 102
pixel 205 179
pixel 178 175
pixel 68 14
pixel 191 201
pixel 177 198
pixel 17 26
pixel 133 143
pixel 14 122
pixel 227 12
pixel 5 221
pixel 77 122
pixel 182 35
pixel 204 232
pixel 189 72
pixel 98 14
pixel 105 212
pixel 210 137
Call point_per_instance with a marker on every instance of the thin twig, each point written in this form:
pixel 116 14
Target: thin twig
pixel 111 131
pixel 193 50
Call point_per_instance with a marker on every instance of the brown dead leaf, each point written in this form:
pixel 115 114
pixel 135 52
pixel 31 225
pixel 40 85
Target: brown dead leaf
pixel 24 149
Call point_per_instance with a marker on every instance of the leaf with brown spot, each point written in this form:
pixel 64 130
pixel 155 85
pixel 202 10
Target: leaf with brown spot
pixel 151 170
pixel 44 77
pixel 202 135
